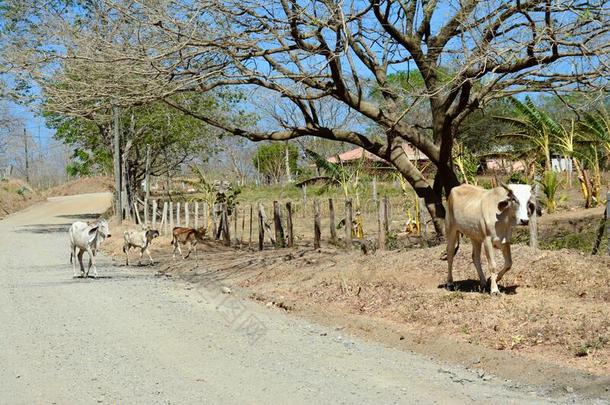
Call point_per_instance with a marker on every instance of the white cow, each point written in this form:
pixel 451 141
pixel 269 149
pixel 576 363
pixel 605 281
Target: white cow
pixel 140 240
pixel 87 237
pixel 487 218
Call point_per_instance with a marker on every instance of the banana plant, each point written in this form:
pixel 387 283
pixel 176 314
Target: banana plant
pixel 536 131
pixel 569 142
pixel 466 162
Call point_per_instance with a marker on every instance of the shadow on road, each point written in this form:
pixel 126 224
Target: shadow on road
pixel 44 228
pixel 79 217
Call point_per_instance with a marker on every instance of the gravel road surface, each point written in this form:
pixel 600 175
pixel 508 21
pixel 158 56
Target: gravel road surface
pixel 134 337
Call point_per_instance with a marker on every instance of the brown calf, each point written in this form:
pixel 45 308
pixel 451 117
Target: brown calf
pixel 182 236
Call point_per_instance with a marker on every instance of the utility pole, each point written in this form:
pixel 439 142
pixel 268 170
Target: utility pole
pixel 117 164
pixel 147 177
pixel 27 162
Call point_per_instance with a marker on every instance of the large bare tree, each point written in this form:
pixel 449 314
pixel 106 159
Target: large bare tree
pixel 458 55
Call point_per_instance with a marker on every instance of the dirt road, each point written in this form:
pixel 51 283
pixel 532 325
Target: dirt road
pixel 132 336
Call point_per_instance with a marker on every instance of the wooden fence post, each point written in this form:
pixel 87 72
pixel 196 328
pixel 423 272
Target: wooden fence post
pixel 226 236
pixel 187 215
pixel 171 216
pixel 608 222
pixel 146 212
pixel 137 213
pixel 243 228
pixel 534 221
pixel 177 214
pixel 348 223
pixel 277 223
pixel 387 214
pixel 164 218
pixel 289 225
pixel 261 227
pixel 316 227
pixel 250 238
pixel 331 218
pixel 304 188
pixel 235 215
pixel 205 213
pixel 375 189
pixel 381 225
pixel 214 222
pixel 196 215
pixel 154 214
pixel 422 220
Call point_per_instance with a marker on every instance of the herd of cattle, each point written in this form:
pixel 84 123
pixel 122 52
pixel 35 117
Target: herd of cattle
pixel 485 216
pixel 88 237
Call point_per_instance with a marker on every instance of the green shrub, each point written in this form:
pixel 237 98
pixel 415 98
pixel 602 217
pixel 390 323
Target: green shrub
pixel 550 183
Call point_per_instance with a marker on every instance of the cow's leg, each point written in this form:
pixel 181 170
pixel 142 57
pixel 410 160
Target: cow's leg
pixel 508 261
pixel 189 252
pixel 81 252
pixel 91 263
pixel 176 247
pixel 179 250
pixel 149 256
pixel 73 260
pixel 126 250
pixel 140 258
pixel 489 251
pixel 476 259
pixel 451 240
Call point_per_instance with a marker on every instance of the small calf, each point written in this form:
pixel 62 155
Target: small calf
pixel 182 236
pixel 141 240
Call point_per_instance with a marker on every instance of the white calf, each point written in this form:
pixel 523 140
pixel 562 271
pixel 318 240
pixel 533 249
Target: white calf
pixel 141 240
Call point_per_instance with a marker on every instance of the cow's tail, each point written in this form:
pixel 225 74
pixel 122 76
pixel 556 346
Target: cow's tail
pixel 71 257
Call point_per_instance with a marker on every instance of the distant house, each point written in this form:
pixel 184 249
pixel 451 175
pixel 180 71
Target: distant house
pixel 561 164
pixel 359 154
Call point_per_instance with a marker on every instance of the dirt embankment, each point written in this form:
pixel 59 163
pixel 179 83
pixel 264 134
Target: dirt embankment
pixel 16 195
pixel 83 185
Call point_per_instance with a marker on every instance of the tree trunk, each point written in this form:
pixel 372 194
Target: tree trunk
pixel 433 197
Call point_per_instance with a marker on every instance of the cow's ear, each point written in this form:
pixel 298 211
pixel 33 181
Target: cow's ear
pixel 93 230
pixel 502 205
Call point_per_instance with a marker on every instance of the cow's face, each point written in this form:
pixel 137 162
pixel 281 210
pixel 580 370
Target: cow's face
pixel 518 203
pixel 104 229
pixel 152 234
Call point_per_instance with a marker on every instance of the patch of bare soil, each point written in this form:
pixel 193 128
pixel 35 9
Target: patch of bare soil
pixel 555 310
pixel 83 185
pixel 16 195
pixel 551 325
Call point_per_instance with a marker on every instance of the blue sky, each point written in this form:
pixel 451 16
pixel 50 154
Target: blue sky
pixel 34 124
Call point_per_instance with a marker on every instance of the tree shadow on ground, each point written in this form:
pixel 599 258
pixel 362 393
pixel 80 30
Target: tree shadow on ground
pixel 80 216
pixel 44 228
